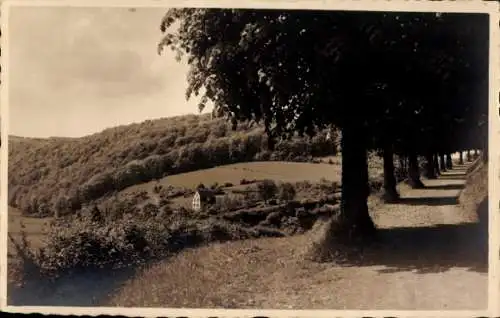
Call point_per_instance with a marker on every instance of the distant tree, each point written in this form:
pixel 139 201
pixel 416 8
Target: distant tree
pixel 460 157
pixel 150 210
pixel 267 189
pixel 96 214
pixel 390 192
pixel 449 162
pixel 287 192
pixel 61 205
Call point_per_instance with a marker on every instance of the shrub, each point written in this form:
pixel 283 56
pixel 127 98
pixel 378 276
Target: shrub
pixel 267 189
pixel 142 195
pixel 245 181
pixel 150 210
pixel 286 192
pixel 228 203
pixel 250 195
pixel 327 186
pixel 78 244
pixel 264 155
pixel 163 202
pixel 157 188
pixel 89 241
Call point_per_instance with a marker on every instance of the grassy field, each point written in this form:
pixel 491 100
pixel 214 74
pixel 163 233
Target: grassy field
pixel 34 231
pixel 278 171
pixel 234 173
pixel 35 228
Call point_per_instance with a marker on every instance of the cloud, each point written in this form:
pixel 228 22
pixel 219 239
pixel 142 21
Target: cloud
pixel 96 66
pixel 72 46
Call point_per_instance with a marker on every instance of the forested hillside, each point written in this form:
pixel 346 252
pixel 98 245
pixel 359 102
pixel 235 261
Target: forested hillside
pixel 61 174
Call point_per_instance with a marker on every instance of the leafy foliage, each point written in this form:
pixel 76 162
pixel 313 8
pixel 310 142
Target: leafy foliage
pixel 286 192
pixel 284 67
pixel 267 189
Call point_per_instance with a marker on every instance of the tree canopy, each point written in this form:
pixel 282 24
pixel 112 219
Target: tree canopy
pixel 288 67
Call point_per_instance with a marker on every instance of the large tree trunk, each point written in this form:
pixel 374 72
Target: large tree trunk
pixel 436 164
pixel 414 172
pixel 354 222
pixel 390 192
pixel 469 157
pixel 461 158
pixel 449 163
pixel 442 162
pixel 430 166
pixel 475 154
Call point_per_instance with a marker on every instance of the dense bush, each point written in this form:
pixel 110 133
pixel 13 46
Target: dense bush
pixel 286 191
pixel 65 173
pixel 90 241
pixel 245 181
pixel 228 202
pixel 267 189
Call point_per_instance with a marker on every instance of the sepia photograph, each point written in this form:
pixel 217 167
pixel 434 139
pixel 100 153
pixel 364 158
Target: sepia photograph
pixel 248 158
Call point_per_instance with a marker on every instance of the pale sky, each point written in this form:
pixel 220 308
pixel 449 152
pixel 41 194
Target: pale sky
pixel 76 71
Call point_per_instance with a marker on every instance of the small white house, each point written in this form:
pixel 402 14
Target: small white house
pixel 203 197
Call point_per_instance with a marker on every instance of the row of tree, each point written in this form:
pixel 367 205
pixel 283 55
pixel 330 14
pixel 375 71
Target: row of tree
pixel 412 84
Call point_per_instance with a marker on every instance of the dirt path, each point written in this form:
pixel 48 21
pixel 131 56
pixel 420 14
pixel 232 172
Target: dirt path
pixel 434 256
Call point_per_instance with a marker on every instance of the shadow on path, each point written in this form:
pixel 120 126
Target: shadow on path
pixel 452 177
pixel 445 187
pixel 459 168
pixel 429 249
pixel 433 201
pixel 424 248
pixel 463 166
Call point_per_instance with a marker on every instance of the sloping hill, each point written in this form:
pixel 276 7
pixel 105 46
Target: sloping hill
pixel 63 173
